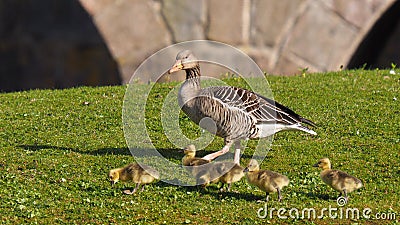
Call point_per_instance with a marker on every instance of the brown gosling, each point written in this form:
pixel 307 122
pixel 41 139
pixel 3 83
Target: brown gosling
pixel 265 180
pixel 338 180
pixel 224 172
pixel 191 160
pixel 134 172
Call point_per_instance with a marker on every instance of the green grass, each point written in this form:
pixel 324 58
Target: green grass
pixel 57 146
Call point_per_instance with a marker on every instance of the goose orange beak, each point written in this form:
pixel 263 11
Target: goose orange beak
pixel 176 67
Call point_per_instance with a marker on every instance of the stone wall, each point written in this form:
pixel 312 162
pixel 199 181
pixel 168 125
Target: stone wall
pixel 64 43
pixel 281 36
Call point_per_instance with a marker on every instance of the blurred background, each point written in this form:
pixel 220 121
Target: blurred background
pixel 68 43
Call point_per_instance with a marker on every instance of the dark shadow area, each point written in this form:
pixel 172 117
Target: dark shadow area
pixel 102 151
pixel 167 153
pixel 51 44
pixel 176 154
pixel 381 46
pixel 214 191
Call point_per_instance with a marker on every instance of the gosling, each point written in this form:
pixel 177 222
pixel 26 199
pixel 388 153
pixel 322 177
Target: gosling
pixel 265 180
pixel 224 172
pixel 338 180
pixel 134 172
pixel 191 160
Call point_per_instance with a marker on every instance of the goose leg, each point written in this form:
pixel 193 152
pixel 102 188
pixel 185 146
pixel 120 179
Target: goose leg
pixel 267 198
pixel 236 158
pixel 223 151
pixel 142 188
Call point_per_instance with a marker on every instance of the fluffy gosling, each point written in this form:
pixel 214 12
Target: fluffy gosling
pixel 191 160
pixel 338 180
pixel 224 172
pixel 135 173
pixel 265 180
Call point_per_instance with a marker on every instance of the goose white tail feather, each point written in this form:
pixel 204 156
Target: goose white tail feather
pixel 267 130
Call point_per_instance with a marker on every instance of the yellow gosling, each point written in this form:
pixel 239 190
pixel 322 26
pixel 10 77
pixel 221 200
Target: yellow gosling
pixel 135 173
pixel 338 180
pixel 265 180
pixel 191 161
pixel 234 174
pixel 224 172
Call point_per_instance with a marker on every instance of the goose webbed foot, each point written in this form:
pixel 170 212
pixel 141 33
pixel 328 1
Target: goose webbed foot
pixel 214 155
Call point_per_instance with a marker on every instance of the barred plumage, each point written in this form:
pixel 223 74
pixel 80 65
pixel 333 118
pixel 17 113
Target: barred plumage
pixel 238 113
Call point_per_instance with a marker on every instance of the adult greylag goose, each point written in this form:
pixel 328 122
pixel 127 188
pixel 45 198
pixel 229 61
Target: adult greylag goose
pixel 338 180
pixel 237 113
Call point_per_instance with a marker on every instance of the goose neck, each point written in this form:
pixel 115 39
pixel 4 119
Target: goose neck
pixel 193 73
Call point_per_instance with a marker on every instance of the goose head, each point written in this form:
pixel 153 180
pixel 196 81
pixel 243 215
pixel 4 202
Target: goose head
pixel 113 176
pixel 323 163
pixel 252 166
pixel 185 60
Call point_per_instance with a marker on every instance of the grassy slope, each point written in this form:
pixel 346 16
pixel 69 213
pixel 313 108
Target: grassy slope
pixel 56 147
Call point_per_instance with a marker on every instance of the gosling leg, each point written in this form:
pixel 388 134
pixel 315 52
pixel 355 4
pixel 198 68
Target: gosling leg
pixel 345 195
pixel 267 199
pixel 137 186
pixel 222 188
pixel 279 194
pixel 229 187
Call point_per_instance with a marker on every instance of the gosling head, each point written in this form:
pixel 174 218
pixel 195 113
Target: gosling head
pixel 252 166
pixel 190 150
pixel 113 176
pixel 323 163
pixel 185 60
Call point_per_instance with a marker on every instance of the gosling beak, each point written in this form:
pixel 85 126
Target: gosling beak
pixel 246 170
pixel 176 67
pixel 315 165
pixel 112 183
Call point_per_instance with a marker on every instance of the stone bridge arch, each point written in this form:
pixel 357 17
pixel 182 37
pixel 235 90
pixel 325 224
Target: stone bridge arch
pixel 281 36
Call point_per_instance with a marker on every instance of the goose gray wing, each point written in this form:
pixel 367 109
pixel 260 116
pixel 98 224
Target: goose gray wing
pixel 263 109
